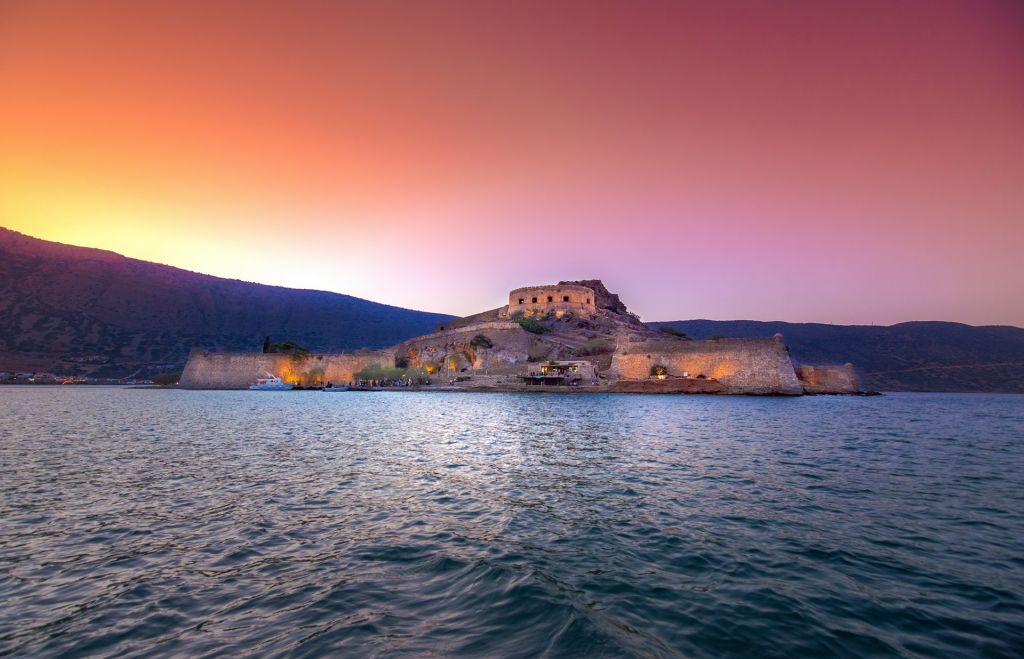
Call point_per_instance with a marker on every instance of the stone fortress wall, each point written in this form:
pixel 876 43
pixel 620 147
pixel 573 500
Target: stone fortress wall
pixel 829 379
pixel 237 370
pixel 531 300
pixel 747 366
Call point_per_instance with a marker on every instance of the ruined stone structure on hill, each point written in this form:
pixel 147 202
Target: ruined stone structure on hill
pixel 542 327
pixel 558 300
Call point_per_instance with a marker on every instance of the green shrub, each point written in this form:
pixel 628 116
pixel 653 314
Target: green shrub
pixel 297 352
pixel 532 325
pixel 659 369
pixel 287 346
pixel 401 362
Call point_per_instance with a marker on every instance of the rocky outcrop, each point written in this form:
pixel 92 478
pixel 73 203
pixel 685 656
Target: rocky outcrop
pixel 509 346
pixel 604 299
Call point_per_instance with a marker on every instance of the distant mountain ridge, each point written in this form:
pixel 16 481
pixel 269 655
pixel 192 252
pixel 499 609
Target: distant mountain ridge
pixel 78 310
pixel 914 356
pixel 82 310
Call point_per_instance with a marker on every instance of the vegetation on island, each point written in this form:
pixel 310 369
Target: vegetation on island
pixel 532 325
pixel 659 370
pixel 292 348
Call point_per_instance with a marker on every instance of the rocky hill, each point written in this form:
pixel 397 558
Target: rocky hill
pixel 917 356
pixel 78 310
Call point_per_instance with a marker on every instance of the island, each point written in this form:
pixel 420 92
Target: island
pixel 573 336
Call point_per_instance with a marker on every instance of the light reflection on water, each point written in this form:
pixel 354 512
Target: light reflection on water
pixel 181 522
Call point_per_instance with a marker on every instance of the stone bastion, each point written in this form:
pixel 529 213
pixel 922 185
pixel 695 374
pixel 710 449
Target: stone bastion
pixel 746 366
pixel 531 300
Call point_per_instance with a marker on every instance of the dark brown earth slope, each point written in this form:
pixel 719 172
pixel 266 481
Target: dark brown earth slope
pixel 79 310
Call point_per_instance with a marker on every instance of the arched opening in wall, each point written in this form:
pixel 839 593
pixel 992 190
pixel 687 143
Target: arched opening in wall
pixel 551 299
pixel 565 298
pixel 534 300
pixel 522 300
pixel 588 300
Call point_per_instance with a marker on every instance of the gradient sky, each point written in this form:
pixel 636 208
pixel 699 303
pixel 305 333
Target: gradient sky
pixel 845 162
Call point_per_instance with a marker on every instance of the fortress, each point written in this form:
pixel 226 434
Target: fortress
pixel 534 300
pixel 569 336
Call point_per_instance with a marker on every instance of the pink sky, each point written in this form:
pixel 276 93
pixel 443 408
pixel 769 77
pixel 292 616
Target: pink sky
pixel 847 162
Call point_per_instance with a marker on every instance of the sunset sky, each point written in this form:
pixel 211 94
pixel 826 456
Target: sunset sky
pixel 845 162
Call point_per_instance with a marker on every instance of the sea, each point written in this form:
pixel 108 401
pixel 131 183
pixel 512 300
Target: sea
pixel 199 523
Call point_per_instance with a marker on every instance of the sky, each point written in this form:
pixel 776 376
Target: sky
pixel 841 162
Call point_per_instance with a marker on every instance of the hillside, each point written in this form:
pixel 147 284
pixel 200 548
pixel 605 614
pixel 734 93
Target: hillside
pixel 917 356
pixel 80 310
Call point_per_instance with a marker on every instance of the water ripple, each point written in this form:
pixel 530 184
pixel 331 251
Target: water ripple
pixel 202 523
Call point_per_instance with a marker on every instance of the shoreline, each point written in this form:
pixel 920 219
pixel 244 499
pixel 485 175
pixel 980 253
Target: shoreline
pixel 537 389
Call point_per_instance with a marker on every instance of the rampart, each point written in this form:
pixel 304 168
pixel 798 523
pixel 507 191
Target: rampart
pixel 828 379
pixel 237 370
pixel 553 298
pixel 742 366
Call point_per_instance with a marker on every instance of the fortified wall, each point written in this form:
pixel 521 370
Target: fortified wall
pixel 237 370
pixel 829 379
pixel 743 366
pixel 559 298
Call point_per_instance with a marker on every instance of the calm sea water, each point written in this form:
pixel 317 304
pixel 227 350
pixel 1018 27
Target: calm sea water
pixel 192 523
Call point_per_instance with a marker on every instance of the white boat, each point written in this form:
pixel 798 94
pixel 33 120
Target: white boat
pixel 270 384
pixel 332 390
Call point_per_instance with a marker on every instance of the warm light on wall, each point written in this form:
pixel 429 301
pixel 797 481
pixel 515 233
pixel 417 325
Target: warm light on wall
pixel 723 371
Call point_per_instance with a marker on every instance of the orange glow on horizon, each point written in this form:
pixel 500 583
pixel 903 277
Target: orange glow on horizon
pixel 861 158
